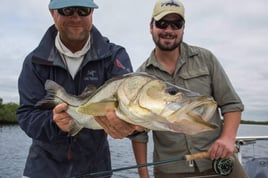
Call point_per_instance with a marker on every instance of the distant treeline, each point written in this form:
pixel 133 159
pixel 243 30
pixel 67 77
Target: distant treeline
pixel 8 114
pixel 254 122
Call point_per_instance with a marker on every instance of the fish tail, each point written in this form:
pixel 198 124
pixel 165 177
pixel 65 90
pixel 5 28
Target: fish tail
pixel 46 103
pixel 51 99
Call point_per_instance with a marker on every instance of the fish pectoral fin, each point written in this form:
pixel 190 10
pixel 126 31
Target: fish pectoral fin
pixel 97 108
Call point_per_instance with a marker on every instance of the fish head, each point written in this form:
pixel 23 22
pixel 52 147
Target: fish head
pixel 173 106
pixel 166 99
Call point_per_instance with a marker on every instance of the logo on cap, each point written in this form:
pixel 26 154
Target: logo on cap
pixel 170 3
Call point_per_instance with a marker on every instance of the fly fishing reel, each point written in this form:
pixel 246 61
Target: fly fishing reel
pixel 223 167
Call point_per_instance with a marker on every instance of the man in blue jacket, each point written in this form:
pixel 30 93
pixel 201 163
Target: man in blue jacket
pixel 74 54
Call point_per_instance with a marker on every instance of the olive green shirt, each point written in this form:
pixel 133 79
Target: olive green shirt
pixel 198 70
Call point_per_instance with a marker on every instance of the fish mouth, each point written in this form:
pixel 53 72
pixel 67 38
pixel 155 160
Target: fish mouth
pixel 203 110
pixel 193 117
pixel 197 109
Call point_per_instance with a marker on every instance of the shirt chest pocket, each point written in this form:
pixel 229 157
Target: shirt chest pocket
pixel 197 80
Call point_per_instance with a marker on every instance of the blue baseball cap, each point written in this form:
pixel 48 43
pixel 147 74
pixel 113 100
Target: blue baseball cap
pixel 58 4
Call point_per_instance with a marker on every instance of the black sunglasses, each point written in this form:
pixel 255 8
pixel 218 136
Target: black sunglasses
pixel 69 11
pixel 175 24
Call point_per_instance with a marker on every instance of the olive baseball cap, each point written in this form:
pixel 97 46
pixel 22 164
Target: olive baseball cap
pixel 58 4
pixel 165 7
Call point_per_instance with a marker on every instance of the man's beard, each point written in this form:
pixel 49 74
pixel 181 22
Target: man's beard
pixel 166 47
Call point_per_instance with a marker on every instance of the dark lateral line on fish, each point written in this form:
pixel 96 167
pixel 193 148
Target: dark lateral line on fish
pixel 129 167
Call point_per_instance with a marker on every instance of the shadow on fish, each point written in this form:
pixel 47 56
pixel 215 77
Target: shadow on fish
pixel 139 99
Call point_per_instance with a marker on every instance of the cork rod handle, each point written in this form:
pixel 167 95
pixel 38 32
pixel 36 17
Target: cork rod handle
pixel 196 156
pixel 201 155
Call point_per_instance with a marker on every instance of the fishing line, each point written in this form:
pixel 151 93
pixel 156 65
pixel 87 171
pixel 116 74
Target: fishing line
pixel 91 175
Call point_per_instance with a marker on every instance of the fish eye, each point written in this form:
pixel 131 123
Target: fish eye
pixel 172 91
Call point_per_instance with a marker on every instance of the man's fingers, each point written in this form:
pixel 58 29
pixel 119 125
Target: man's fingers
pixel 107 128
pixel 61 118
pixel 116 127
pixel 60 108
pixel 100 121
pixel 140 128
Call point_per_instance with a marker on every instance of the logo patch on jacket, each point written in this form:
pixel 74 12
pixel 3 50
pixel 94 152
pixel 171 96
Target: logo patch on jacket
pixel 119 65
pixel 91 75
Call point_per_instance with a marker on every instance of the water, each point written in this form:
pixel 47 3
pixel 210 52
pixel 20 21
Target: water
pixel 14 146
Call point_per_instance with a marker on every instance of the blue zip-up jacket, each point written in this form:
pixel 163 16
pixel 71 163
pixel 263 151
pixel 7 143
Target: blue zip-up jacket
pixel 54 154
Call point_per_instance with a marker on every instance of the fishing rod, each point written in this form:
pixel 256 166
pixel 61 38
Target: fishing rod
pixel 109 172
pixel 222 167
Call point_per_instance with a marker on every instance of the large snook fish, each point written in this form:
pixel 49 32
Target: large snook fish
pixel 139 99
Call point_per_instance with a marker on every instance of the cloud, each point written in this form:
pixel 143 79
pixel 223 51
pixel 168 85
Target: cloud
pixel 235 31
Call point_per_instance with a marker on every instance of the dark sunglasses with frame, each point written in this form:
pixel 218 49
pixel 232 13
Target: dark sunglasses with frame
pixel 69 11
pixel 174 24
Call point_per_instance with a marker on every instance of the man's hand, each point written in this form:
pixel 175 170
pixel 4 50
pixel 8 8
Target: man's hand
pixel 114 126
pixel 224 146
pixel 61 118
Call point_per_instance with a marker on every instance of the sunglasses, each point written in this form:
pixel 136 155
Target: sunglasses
pixel 175 24
pixel 69 11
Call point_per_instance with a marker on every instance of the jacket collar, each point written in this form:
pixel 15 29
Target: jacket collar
pixel 46 52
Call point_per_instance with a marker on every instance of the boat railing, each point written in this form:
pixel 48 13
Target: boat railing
pixel 256 167
pixel 247 140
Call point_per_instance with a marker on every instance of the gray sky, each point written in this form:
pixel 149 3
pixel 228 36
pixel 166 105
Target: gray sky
pixel 235 31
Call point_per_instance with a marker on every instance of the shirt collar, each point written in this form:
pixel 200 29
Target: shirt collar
pixel 65 51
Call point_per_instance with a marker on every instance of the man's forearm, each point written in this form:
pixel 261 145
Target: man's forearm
pixel 140 153
pixel 231 124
